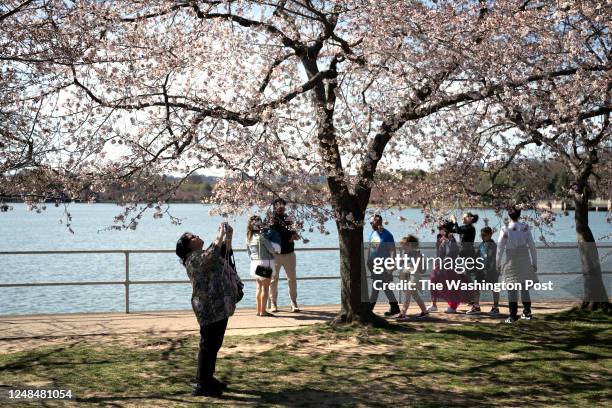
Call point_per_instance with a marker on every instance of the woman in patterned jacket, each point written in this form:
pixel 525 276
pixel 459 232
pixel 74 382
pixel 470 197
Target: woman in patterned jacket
pixel 216 290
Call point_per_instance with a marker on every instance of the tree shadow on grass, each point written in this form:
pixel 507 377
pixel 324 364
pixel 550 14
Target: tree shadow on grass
pixel 313 315
pixel 304 397
pixel 584 316
pixel 323 387
pixel 373 394
pixel 26 360
pixel 300 397
pixel 544 335
pixel 139 400
pixel 457 319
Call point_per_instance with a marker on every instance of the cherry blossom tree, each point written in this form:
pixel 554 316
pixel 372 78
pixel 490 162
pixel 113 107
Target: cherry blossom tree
pixel 279 95
pixel 22 55
pixel 34 55
pixel 564 119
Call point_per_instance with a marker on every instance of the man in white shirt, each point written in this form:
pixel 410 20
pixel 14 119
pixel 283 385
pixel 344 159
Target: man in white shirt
pixel 516 242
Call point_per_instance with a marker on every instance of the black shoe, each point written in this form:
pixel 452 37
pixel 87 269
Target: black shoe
pixel 219 384
pixel 475 310
pixel 494 311
pixel 526 315
pixel 511 319
pixel 393 310
pixel 209 391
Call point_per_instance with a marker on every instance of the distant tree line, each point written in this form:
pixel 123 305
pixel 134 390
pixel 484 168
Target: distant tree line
pixel 200 188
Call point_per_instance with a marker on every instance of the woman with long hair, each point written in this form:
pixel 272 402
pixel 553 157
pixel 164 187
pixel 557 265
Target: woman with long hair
pixel 447 253
pixel 261 252
pixel 467 251
pixel 435 271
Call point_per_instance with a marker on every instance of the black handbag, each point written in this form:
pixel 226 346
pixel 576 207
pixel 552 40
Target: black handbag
pixel 240 293
pixel 263 271
pixel 229 258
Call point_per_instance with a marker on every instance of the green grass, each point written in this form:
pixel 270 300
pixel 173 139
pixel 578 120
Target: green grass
pixel 556 360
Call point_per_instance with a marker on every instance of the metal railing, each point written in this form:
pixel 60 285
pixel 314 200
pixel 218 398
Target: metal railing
pixel 127 282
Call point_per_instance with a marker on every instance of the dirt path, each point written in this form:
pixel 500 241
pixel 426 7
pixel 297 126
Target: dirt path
pixel 18 333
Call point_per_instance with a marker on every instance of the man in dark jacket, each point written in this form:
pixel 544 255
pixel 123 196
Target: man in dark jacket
pixel 286 259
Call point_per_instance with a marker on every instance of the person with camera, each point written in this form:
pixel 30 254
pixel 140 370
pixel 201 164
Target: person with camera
pixel 216 290
pixel 286 229
pixel 467 251
pixel 261 252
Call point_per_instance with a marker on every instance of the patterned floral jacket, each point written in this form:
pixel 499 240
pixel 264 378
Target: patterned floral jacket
pixel 215 285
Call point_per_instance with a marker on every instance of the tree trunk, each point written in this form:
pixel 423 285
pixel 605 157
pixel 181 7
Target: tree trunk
pixel 343 201
pixel 354 299
pixel 354 290
pixel 595 296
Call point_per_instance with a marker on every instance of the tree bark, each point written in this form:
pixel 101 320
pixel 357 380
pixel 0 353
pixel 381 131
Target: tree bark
pixel 355 307
pixel 344 203
pixel 595 296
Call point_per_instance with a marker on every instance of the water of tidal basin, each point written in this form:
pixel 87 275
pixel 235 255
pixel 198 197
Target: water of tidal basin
pixel 21 230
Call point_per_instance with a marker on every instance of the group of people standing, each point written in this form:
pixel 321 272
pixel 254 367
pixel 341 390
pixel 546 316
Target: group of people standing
pixel 270 245
pixel 515 243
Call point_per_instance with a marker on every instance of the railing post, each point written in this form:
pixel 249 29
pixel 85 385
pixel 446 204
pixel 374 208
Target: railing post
pixel 127 281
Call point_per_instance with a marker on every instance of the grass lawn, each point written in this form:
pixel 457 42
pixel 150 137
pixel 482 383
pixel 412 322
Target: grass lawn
pixel 556 360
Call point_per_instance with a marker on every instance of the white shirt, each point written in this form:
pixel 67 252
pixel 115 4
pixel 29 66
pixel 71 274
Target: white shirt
pixel 254 248
pixel 515 235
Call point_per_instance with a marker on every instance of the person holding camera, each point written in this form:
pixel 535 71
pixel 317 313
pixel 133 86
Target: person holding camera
pixel 285 228
pixel 467 235
pixel 216 290
pixel 261 252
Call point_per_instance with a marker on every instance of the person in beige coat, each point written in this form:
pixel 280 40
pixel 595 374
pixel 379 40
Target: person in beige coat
pixel 516 243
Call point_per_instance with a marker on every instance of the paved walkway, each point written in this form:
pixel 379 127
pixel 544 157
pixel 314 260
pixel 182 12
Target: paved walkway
pixel 35 330
pixel 244 321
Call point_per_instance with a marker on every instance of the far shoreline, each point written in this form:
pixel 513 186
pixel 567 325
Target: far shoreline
pixel 597 205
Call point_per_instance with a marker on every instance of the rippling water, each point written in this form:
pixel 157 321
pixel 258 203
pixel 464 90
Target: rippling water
pixel 22 231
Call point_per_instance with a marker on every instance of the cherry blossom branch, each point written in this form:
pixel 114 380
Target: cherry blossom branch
pixel 15 10
pixel 278 61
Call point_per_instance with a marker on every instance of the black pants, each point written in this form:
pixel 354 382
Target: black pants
pixel 384 277
pixel 211 338
pixel 513 302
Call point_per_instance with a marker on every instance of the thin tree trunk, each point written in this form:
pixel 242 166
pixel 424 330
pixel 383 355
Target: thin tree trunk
pixel 595 296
